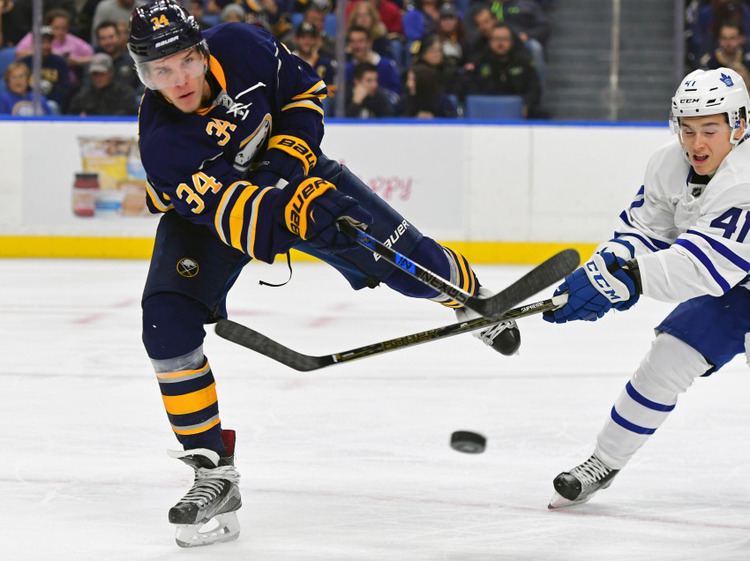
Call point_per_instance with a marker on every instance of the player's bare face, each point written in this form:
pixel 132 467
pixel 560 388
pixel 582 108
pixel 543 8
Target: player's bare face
pixel 181 79
pixel 706 140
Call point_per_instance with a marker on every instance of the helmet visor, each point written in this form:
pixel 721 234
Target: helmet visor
pixel 173 70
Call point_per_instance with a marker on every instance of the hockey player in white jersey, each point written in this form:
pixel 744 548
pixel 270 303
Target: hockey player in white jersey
pixel 685 238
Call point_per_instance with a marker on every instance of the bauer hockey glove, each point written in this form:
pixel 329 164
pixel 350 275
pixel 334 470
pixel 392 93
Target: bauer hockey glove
pixel 593 289
pixel 314 207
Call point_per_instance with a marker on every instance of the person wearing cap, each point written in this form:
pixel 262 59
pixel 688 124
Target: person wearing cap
pixel 54 73
pixel 103 96
pixel 450 29
pixel 307 41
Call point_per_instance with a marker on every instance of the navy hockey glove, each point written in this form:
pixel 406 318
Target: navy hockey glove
pixel 600 284
pixel 313 209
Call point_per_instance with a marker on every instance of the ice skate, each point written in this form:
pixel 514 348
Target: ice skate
pixel 579 484
pixel 207 513
pixel 504 336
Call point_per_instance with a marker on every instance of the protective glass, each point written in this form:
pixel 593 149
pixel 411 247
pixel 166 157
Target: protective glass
pixel 173 70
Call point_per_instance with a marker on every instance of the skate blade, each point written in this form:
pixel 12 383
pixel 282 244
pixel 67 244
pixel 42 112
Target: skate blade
pixel 221 528
pixel 558 501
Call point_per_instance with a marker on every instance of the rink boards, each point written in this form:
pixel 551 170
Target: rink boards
pixel 500 192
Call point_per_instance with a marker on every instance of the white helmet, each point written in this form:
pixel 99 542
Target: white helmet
pixel 711 92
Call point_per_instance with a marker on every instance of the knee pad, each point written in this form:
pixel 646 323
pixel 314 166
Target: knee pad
pixel 669 368
pixel 172 325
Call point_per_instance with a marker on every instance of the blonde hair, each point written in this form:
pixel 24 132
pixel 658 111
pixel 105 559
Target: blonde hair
pixel 14 66
pixel 377 28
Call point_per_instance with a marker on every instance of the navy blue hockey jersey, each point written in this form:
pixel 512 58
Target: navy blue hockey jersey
pixel 268 119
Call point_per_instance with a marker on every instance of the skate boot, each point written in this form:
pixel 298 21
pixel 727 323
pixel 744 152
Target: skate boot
pixel 580 483
pixel 206 514
pixel 504 336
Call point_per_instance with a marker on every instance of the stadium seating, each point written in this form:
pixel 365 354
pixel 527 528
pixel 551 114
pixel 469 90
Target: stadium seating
pixel 493 107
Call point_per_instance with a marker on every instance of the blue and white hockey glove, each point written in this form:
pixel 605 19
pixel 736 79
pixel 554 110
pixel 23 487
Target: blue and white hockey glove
pixel 314 207
pixel 596 287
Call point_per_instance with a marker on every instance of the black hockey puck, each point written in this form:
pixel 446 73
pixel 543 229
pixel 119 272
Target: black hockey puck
pixel 468 442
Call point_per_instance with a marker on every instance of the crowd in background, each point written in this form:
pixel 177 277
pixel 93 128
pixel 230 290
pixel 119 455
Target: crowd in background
pixel 419 59
pixel 716 32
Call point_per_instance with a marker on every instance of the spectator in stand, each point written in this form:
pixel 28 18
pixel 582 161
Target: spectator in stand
pixel 505 68
pixel 117 11
pixel 367 100
pixel 74 50
pixel 485 19
pixel 525 17
pixel 451 32
pixel 426 83
pixel 364 14
pixel 307 41
pixel 103 96
pixel 420 20
pixel 730 52
pixel 390 14
pixel 232 13
pixel 711 17
pixel 17 98
pixel 359 44
pixel 110 41
pixel 198 11
pixel 54 77
pixel 315 14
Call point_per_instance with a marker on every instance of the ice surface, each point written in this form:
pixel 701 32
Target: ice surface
pixel 351 462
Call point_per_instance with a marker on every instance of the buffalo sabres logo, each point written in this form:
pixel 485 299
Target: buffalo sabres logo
pixel 188 268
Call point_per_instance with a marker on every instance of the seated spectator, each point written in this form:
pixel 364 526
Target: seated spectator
pixel 103 96
pixel 17 99
pixel 390 14
pixel 117 11
pixel 451 32
pixel 367 100
pixel 705 28
pixel 730 52
pixel 308 41
pixel 426 83
pixel 110 41
pixel 485 19
pixel 525 17
pixel 315 14
pixel 420 20
pixel 232 13
pixel 74 50
pixel 54 74
pixel 198 11
pixel 359 44
pixel 505 68
pixel 364 15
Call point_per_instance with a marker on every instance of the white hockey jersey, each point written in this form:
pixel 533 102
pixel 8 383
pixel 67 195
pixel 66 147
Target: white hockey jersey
pixel 691 238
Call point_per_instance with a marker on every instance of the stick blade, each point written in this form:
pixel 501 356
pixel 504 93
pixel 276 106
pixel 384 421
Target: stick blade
pixel 553 270
pixel 253 340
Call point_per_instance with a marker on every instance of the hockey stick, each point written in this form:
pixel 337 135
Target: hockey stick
pixel 493 307
pixel 258 342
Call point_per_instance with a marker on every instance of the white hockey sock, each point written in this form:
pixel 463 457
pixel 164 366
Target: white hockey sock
pixel 667 370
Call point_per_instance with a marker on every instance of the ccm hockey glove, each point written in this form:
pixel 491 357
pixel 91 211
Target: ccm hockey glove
pixel 602 283
pixel 314 207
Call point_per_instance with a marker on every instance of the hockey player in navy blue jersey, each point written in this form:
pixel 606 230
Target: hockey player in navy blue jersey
pixel 683 239
pixel 230 129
